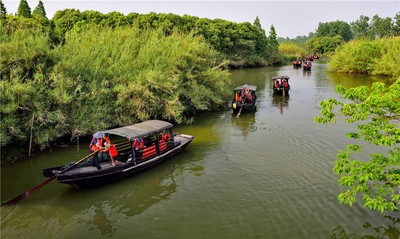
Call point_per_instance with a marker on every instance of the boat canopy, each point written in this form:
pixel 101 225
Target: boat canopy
pixel 279 77
pixel 141 129
pixel 249 87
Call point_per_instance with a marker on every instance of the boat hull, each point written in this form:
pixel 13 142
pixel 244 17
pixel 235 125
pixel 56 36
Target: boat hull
pixel 280 90
pixel 247 107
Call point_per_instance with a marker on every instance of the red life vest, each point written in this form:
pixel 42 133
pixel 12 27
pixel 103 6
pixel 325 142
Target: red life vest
pixel 276 84
pixel 236 97
pixel 165 137
pixel 138 143
pixel 98 145
pixel 285 84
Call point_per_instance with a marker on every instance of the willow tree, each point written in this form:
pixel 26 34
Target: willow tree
pixel 376 112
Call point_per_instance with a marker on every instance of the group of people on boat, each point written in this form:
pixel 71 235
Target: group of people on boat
pixel 282 83
pixel 244 96
pixel 297 62
pixel 102 143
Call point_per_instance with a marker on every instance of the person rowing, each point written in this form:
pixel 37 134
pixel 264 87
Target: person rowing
pixel 99 141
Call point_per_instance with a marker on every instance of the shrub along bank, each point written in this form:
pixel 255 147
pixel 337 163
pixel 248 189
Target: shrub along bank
pixel 377 57
pixel 101 78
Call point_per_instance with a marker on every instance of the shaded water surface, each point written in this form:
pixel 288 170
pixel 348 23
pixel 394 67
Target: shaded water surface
pixel 267 174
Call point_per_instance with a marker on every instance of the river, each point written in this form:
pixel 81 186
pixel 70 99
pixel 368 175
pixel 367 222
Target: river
pixel 267 174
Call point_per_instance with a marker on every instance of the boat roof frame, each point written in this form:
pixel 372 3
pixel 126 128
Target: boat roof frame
pixel 249 87
pixel 279 77
pixel 140 130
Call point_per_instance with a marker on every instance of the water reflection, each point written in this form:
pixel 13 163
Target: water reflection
pixel 387 231
pixel 280 102
pixel 354 80
pixel 106 214
pixel 245 123
pixel 307 74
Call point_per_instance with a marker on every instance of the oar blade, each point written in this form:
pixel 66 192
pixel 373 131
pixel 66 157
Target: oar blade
pixel 27 193
pixel 32 190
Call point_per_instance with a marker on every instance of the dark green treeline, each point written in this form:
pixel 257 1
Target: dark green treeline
pixel 243 44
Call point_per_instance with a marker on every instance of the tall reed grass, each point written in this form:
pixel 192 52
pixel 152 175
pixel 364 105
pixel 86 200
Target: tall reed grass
pixel 101 78
pixel 289 48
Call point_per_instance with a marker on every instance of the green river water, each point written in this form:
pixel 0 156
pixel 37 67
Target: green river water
pixel 267 174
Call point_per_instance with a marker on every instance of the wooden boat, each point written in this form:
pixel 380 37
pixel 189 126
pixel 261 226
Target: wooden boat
pixel 307 66
pixel 126 159
pixel 241 100
pixel 280 85
pixel 297 63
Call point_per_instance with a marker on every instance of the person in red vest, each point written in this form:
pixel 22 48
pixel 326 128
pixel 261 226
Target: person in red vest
pixel 138 144
pixel 98 142
pixel 276 84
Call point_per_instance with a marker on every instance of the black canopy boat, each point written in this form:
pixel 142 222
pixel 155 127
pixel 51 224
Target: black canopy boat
pixel 280 85
pixel 307 66
pixel 244 97
pixel 125 158
pixel 297 63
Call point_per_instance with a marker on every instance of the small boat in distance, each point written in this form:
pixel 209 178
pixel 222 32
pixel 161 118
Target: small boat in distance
pixel 297 63
pixel 280 85
pixel 244 97
pixel 307 66
pixel 126 159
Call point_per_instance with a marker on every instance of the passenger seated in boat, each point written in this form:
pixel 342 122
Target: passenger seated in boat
pixel 99 141
pixel 251 98
pixel 236 97
pixel 165 136
pixel 138 144
pixel 276 84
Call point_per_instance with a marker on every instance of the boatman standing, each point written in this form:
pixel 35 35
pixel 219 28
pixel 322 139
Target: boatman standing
pixel 99 142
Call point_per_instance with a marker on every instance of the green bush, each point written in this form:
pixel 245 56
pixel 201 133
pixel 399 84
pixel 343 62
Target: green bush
pixel 103 77
pixel 377 57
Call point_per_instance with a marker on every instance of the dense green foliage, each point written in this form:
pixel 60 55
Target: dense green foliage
pixel 3 10
pixel 243 44
pixel 23 9
pixel 27 100
pixel 332 29
pixel 376 27
pixel 81 72
pixel 377 57
pixel 39 10
pixel 289 48
pixel 322 45
pixel 298 39
pixel 376 112
pixel 103 77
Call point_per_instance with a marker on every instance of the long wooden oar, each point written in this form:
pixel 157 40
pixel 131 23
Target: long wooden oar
pixel 241 107
pixel 32 190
